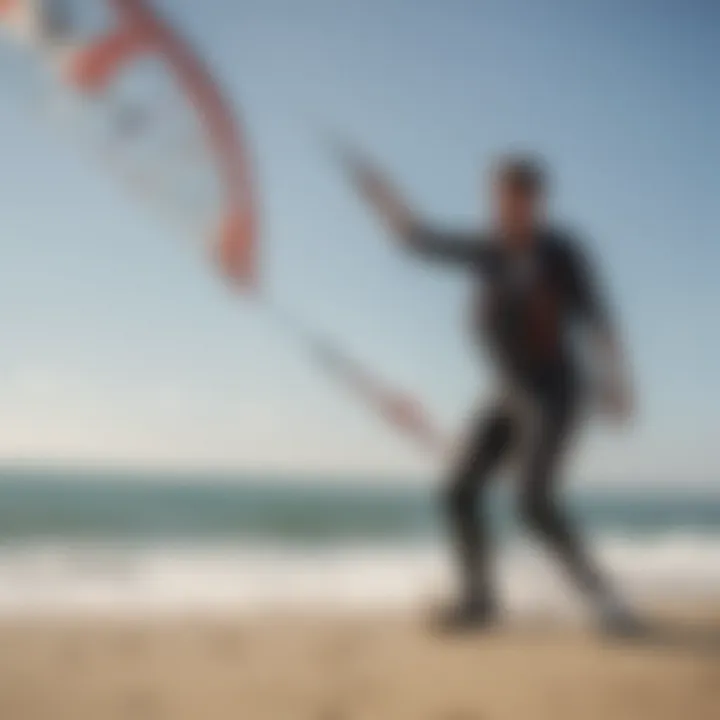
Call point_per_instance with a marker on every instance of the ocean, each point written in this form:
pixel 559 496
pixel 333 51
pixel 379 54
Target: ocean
pixel 98 542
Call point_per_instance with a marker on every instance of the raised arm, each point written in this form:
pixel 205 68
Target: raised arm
pixel 404 224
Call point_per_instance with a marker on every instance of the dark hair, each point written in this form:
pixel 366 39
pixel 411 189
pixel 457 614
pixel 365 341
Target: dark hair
pixel 522 172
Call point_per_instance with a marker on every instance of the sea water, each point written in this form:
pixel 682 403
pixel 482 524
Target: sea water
pixel 100 541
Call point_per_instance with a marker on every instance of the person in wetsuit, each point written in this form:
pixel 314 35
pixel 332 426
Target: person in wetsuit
pixel 534 285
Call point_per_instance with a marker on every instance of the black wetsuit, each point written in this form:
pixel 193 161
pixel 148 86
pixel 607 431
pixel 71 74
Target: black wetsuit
pixel 527 303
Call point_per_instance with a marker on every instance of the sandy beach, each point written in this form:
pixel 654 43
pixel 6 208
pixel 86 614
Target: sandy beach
pixel 352 668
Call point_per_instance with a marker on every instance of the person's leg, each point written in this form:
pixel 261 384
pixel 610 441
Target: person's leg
pixel 540 510
pixel 548 433
pixel 485 447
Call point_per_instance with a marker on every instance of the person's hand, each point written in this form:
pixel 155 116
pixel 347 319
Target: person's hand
pixel 618 402
pixel 370 183
pixel 616 398
pixel 366 179
pixel 377 191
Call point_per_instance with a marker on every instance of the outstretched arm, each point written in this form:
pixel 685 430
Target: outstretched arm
pixel 405 225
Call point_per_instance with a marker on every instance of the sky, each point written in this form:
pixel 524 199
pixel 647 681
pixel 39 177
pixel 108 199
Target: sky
pixel 120 345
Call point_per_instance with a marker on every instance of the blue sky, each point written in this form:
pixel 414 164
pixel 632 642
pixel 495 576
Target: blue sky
pixel 119 344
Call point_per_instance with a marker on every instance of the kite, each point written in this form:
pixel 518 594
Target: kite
pixel 166 129
pixel 135 72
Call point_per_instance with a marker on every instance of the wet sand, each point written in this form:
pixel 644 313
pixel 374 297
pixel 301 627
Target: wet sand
pixel 353 668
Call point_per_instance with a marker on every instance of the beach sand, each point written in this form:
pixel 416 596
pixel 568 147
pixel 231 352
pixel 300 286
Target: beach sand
pixel 352 668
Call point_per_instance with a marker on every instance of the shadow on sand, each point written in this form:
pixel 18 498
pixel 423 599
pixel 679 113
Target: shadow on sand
pixel 696 638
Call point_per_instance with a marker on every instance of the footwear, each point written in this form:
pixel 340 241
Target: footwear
pixel 465 617
pixel 618 621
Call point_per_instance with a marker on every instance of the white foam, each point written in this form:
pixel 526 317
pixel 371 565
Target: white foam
pixel 73 579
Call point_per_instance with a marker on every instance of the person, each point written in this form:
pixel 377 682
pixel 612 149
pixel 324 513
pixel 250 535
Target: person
pixel 535 285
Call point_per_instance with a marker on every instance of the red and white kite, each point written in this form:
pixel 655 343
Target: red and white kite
pixel 145 96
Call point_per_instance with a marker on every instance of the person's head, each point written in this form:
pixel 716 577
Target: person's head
pixel 519 193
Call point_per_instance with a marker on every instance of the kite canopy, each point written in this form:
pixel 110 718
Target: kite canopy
pixel 161 119
pixel 139 94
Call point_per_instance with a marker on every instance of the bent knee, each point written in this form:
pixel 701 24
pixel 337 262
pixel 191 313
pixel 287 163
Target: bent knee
pixel 536 512
pixel 458 498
